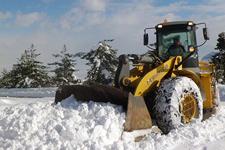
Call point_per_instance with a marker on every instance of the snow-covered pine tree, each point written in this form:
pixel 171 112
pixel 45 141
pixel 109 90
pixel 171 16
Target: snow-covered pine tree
pixel 219 58
pixel 28 72
pixel 64 72
pixel 103 63
pixel 6 79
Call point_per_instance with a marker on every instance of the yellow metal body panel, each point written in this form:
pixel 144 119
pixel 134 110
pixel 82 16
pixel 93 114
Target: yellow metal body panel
pixel 136 74
pixel 206 67
pixel 206 80
pixel 154 77
pixel 190 74
pixel 143 79
pixel 206 76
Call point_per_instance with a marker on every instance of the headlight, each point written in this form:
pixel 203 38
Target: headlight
pixel 191 49
pixel 190 23
pixel 159 26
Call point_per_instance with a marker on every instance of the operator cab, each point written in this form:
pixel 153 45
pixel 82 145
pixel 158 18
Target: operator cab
pixel 177 39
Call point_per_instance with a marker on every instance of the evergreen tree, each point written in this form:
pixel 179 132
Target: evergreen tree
pixel 219 58
pixel 6 79
pixel 103 63
pixel 28 72
pixel 64 68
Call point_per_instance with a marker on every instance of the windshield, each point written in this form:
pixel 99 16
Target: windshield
pixel 169 38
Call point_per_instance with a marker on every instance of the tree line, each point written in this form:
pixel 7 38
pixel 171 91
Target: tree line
pixel 30 72
pixel 219 58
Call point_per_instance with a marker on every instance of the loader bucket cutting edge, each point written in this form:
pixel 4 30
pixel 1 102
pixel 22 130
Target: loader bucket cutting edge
pixel 138 116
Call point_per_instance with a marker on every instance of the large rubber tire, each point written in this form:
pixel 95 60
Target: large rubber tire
pixel 169 97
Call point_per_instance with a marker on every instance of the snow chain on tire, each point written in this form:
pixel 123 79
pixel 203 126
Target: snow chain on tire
pixel 170 96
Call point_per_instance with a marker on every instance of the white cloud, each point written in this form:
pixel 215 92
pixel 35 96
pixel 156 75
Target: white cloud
pixel 5 15
pixel 95 12
pixel 28 19
pixel 88 12
pixel 79 18
pixel 71 18
pixel 95 5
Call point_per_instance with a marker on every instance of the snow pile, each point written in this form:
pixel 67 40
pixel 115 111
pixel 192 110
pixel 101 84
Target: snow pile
pixel 70 125
pixel 221 92
pixel 33 123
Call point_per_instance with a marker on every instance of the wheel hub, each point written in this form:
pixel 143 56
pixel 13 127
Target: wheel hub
pixel 188 108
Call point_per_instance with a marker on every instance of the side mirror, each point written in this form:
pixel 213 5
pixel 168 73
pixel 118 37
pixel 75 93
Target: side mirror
pixel 205 33
pixel 146 39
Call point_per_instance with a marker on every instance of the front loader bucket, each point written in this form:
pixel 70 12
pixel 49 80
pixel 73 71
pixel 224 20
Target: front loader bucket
pixel 138 116
pixel 96 93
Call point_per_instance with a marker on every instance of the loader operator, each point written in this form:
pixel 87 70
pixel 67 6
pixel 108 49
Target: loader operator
pixel 176 49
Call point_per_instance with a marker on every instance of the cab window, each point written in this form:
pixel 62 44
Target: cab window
pixel 166 39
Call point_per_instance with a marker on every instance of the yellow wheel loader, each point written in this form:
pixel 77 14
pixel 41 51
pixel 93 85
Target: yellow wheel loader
pixel 168 84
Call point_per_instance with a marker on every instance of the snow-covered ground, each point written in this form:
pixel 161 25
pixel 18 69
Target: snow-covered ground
pixel 29 121
pixel 28 92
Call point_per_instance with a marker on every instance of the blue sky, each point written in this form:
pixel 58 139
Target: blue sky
pixel 81 24
pixel 53 8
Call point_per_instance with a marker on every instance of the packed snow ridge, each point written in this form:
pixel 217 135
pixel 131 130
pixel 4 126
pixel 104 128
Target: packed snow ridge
pixel 68 125
pixel 34 123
